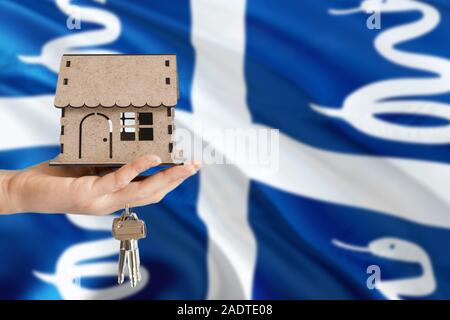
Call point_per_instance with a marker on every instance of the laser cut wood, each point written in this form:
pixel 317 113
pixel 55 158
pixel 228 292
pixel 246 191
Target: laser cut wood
pixel 116 108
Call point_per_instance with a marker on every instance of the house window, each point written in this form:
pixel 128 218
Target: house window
pixel 133 124
pixel 128 126
pixel 145 134
pixel 145 126
pixel 145 118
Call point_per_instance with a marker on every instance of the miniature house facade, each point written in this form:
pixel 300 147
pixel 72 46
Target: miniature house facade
pixel 115 108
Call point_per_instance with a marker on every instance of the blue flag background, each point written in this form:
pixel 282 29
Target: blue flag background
pixel 345 198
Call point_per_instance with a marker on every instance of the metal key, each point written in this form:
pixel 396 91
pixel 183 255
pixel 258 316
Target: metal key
pixel 129 229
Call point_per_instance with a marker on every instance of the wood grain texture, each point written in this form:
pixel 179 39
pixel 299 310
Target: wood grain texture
pixel 117 81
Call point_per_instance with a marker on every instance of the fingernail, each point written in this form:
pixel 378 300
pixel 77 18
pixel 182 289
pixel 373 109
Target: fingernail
pixel 194 164
pixel 197 165
pixel 154 159
pixel 195 169
pixel 190 170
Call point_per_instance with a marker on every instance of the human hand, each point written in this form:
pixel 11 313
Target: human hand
pixel 47 189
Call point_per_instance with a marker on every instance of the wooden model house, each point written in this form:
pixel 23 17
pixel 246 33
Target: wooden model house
pixel 115 108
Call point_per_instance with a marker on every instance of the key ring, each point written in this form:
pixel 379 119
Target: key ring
pixel 128 214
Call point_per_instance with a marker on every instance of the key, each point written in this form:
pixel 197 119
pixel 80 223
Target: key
pixel 132 263
pixel 128 231
pixel 135 262
pixel 128 228
pixel 138 259
pixel 122 261
pixel 138 262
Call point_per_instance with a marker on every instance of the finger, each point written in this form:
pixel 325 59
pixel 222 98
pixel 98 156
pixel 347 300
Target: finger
pixel 164 177
pixel 138 191
pixel 159 195
pixel 147 200
pixel 121 178
pixel 142 191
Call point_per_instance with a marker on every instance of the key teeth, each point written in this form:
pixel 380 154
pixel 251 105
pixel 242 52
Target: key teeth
pixel 134 280
pixel 139 276
pixel 138 264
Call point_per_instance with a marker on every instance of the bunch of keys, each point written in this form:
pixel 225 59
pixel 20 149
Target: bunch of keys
pixel 128 229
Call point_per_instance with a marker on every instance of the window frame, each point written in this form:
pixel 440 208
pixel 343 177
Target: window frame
pixel 125 133
pixel 135 134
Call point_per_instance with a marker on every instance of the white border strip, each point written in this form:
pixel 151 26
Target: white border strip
pixel 219 101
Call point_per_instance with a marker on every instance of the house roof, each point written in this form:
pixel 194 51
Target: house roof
pixel 117 81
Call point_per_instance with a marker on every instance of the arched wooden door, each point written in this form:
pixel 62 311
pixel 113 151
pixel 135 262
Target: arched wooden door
pixel 95 138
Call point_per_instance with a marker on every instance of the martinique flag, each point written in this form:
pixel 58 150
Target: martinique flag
pixel 360 196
